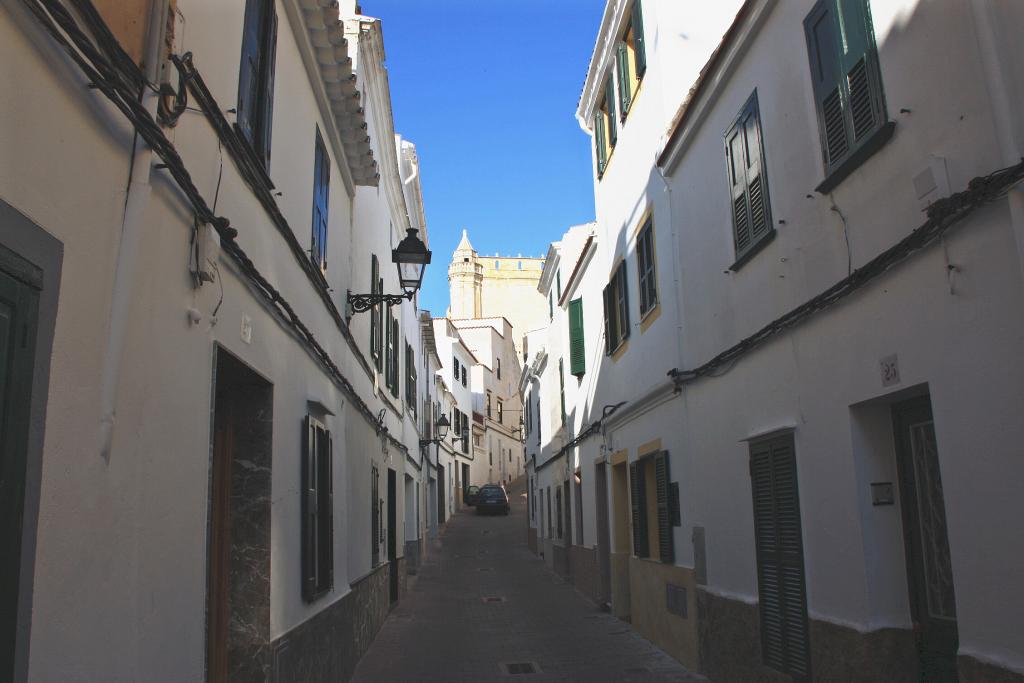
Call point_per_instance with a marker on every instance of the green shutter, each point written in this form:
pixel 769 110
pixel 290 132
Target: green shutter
pixel 309 511
pixel 625 82
pixel 661 476
pixel 779 549
pixel 599 144
pixel 577 358
pixel 609 317
pixel 638 504
pixel 609 103
pixel 639 47
pixel 748 184
pixel 561 384
pixel 551 305
pixel 623 302
pixel 374 269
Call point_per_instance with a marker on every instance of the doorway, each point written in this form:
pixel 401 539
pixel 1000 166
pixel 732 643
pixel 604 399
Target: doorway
pixel 621 549
pixel 393 535
pixel 929 568
pixel 18 323
pixel 238 564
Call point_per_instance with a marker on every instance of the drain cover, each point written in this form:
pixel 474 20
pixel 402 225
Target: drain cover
pixel 514 668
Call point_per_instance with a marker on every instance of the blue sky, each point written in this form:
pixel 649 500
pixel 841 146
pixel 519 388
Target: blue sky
pixel 487 90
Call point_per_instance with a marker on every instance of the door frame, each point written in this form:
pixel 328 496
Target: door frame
pixel 37 257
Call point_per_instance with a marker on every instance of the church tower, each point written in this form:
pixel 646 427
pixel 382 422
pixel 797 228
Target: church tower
pixel 465 281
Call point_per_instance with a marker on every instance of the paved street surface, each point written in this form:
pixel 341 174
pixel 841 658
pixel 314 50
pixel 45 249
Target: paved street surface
pixel 446 631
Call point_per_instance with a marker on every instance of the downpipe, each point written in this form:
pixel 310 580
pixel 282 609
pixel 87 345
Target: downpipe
pixel 138 194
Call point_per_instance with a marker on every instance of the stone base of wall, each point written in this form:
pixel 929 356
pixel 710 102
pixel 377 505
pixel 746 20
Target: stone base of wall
pixel 560 560
pixel 975 671
pixel 620 585
pixel 584 572
pixel 413 556
pixel 328 646
pixel 730 647
pixel 403 577
pixel 673 630
pixel 531 539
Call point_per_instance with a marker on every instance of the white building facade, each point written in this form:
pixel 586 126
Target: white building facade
pixel 786 467
pixel 217 460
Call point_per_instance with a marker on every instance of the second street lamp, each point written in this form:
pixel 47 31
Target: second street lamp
pixel 411 256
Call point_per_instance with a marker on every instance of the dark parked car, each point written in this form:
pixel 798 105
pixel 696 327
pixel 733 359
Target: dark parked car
pixel 470 495
pixel 492 498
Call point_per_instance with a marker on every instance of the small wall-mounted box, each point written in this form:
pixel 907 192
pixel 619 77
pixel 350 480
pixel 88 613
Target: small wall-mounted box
pixel 882 493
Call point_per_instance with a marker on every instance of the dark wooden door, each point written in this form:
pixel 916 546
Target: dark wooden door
pixel 18 312
pixel 929 569
pixel 604 560
pixel 218 608
pixel 392 536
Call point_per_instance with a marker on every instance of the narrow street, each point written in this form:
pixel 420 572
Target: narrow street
pixel 446 630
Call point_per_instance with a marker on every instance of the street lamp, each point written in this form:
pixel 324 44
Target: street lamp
pixel 411 256
pixel 441 426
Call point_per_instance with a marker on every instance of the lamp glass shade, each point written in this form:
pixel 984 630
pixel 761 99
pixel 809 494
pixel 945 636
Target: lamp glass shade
pixel 442 425
pixel 411 256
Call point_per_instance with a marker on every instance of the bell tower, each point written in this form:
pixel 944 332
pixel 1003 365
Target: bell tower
pixel 465 281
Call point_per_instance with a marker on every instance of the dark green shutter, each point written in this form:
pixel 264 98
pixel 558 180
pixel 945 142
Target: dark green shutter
pixel 748 184
pixel 609 317
pixel 609 103
pixel 661 487
pixel 638 504
pixel 779 549
pixel 622 311
pixel 561 385
pixel 327 514
pixel 551 306
pixel 844 75
pixel 374 272
pixel 639 47
pixel 599 144
pixel 249 71
pixel 309 511
pixel 625 80
pixel 321 184
pixel 577 358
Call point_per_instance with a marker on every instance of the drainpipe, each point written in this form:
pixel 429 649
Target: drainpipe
pixel 137 198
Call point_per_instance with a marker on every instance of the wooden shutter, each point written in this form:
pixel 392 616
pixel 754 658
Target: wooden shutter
pixel 645 264
pixel 395 360
pixel 609 113
pixel 249 70
pixel 577 356
pixel 269 59
pixel 387 346
pixel 779 550
pixel 561 386
pixel 859 73
pixel 327 514
pixel 609 316
pixel 599 143
pixel 639 47
pixel 625 82
pixel 374 516
pixel 622 303
pixel 638 504
pixel 661 486
pixel 309 508
pixel 748 185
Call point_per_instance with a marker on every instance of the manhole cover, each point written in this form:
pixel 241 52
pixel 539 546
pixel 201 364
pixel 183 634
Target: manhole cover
pixel 516 668
pixel 493 598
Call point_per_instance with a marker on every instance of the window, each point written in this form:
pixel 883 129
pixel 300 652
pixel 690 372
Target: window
pixel 616 310
pixel 631 59
pixel 391 354
pixel 551 306
pixel 558 283
pixel 488 404
pixel 645 264
pixel 605 131
pixel 455 364
pixel 321 185
pixel 780 557
pixel 497 362
pixel 256 77
pixel 501 412
pixel 375 314
pixel 550 525
pixel 577 358
pixel 651 474
pixel 561 384
pixel 410 378
pixel 847 86
pixel 463 372
pixel 376 507
pixel 317 511
pixel 751 210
